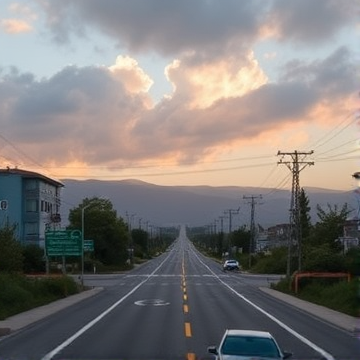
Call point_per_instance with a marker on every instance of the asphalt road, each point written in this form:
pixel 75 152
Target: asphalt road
pixel 174 307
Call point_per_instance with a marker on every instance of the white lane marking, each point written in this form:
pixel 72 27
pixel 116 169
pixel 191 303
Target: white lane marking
pixel 151 302
pixel 71 339
pixel 306 341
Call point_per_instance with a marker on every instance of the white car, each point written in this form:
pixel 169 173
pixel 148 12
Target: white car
pixel 231 265
pixel 248 345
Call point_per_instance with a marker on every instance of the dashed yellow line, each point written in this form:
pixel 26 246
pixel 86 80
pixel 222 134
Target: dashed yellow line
pixel 189 356
pixel 187 329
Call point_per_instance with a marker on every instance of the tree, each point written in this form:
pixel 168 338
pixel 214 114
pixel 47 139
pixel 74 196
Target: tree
pixel 140 241
pixel 11 257
pixel 102 225
pixel 305 219
pixel 241 239
pixel 329 228
pixel 33 259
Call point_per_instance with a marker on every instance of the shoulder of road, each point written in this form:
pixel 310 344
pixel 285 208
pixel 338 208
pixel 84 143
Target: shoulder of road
pixel 19 321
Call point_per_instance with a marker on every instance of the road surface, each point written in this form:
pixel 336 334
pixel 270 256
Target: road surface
pixel 174 307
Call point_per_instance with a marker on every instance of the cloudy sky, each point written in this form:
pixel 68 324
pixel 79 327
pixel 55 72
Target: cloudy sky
pixel 204 92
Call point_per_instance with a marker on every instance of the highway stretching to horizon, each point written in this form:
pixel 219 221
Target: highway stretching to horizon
pixel 174 307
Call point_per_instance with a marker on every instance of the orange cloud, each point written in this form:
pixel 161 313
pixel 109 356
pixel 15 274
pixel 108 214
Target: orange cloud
pixel 131 74
pixel 15 26
pixel 209 82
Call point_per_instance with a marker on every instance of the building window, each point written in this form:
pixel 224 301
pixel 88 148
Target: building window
pixel 32 205
pixel 31 228
pixel 46 206
pixel 31 184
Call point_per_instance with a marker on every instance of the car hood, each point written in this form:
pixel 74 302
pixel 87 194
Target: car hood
pixel 239 357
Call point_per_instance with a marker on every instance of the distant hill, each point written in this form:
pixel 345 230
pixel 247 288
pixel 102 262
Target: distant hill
pixel 196 205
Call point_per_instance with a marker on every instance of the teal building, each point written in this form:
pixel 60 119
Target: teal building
pixel 31 202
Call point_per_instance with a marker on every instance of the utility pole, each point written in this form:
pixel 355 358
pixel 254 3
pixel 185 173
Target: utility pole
pixel 230 212
pixel 222 223
pixel 296 164
pixel 252 224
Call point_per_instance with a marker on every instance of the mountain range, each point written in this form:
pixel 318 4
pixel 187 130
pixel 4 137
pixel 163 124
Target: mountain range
pixel 199 205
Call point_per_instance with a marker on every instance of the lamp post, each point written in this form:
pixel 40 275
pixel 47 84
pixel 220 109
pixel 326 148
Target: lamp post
pixel 82 243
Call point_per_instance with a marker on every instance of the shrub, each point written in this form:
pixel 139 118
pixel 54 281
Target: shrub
pixel 33 259
pixel 323 258
pixel 338 295
pixel 274 263
pixel 19 293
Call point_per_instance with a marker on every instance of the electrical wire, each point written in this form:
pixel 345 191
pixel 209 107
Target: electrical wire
pixel 322 141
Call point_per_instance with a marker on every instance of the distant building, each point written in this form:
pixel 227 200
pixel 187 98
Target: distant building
pixel 278 235
pixel 30 201
pixel 351 231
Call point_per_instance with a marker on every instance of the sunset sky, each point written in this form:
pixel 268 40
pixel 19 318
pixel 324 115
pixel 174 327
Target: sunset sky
pixel 190 92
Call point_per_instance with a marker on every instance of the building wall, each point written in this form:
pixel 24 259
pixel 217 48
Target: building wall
pixel 33 205
pixel 10 190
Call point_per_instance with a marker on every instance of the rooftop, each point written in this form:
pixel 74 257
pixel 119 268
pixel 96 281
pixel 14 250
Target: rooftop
pixel 30 174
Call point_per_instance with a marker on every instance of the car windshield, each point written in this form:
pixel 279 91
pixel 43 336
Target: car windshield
pixel 250 346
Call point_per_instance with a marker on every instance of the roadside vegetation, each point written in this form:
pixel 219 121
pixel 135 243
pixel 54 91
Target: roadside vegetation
pixel 19 293
pixel 28 279
pixel 320 252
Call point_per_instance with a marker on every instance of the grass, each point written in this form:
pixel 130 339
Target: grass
pixel 337 295
pixel 19 293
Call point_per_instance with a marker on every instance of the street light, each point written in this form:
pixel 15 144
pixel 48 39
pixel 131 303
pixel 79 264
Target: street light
pixel 82 243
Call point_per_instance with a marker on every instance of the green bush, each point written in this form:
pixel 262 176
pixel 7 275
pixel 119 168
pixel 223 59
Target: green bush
pixel 352 261
pixel 335 294
pixel 323 258
pixel 14 297
pixel 338 295
pixel 19 293
pixel 273 263
pixel 33 261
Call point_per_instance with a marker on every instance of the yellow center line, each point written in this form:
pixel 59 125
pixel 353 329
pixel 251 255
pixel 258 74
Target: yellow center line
pixel 186 308
pixel 187 329
pixel 191 356
pixel 185 297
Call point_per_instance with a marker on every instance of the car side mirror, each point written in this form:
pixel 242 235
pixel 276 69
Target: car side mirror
pixel 212 350
pixel 287 355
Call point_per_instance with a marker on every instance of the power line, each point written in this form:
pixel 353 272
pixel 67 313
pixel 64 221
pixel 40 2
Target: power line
pixel 318 143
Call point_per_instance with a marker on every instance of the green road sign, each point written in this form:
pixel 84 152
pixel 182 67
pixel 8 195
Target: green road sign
pixel 89 245
pixel 63 243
